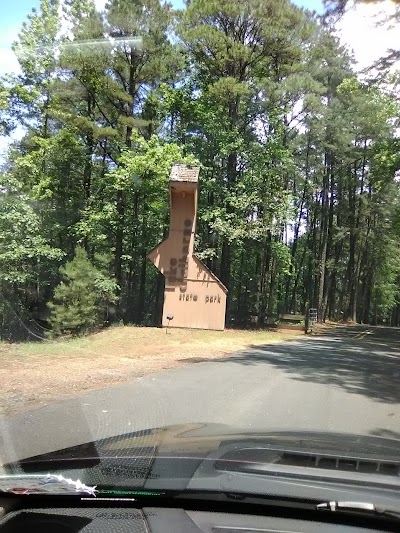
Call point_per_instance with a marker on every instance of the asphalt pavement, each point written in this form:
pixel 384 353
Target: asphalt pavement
pixel 347 380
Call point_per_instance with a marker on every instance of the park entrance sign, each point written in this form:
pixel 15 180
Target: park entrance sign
pixel 194 297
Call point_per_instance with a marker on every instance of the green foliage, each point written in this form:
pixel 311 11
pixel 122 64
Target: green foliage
pixel 22 245
pixel 147 164
pixel 27 258
pixel 82 297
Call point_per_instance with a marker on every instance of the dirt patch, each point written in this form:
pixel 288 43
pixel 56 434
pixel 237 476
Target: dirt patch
pixel 328 326
pixel 34 374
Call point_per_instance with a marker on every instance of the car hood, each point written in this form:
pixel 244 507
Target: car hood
pixel 154 457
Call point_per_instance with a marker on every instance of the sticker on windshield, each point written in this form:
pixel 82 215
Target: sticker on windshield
pixel 44 484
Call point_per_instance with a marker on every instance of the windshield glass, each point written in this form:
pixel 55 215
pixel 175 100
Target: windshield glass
pixel 199 242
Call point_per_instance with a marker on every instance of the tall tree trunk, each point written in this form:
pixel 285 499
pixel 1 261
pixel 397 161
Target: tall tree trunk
pixel 239 309
pixel 351 282
pixel 119 237
pixel 142 288
pixel 225 266
pixel 293 253
pixel 272 283
pixel 309 282
pixel 231 170
pixel 266 265
pixel 328 271
pixel 120 195
pixel 293 304
pixel 159 300
pixel 323 237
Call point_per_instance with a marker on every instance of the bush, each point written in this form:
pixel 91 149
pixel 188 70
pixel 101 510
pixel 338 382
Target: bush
pixel 81 299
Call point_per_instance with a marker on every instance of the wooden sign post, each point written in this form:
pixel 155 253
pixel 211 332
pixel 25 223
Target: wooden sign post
pixel 193 295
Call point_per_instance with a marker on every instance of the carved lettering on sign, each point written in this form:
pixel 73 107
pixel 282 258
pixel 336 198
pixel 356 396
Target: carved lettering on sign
pixel 188 297
pixel 213 299
pixel 209 299
pixel 178 267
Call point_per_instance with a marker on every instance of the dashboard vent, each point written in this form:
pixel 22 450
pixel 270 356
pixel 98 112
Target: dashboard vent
pixel 257 459
pixel 340 463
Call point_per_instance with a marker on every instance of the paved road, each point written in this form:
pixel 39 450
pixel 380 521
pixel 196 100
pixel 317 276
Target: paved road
pixel 347 380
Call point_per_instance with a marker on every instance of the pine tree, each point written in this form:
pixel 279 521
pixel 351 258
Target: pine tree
pixel 81 299
pixel 239 55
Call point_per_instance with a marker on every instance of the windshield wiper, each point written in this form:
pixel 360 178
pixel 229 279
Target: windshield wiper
pixel 357 507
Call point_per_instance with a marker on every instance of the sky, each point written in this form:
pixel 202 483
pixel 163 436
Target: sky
pixel 357 29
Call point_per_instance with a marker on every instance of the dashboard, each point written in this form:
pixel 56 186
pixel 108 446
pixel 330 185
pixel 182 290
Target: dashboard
pixel 107 519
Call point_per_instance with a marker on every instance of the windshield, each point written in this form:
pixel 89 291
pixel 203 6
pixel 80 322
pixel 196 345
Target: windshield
pixel 199 243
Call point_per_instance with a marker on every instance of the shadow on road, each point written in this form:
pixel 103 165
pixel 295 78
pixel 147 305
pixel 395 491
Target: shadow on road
pixel 387 433
pixel 351 358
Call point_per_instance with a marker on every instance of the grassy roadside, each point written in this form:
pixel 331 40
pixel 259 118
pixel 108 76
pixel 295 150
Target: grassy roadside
pixel 33 374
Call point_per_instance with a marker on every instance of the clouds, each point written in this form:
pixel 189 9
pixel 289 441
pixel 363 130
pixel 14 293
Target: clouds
pixel 359 32
pixel 8 62
pixel 100 4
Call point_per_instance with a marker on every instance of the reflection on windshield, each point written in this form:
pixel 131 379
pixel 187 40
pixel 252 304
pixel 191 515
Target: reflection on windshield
pixel 199 224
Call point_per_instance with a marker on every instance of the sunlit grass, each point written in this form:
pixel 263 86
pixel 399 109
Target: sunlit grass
pixel 131 340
